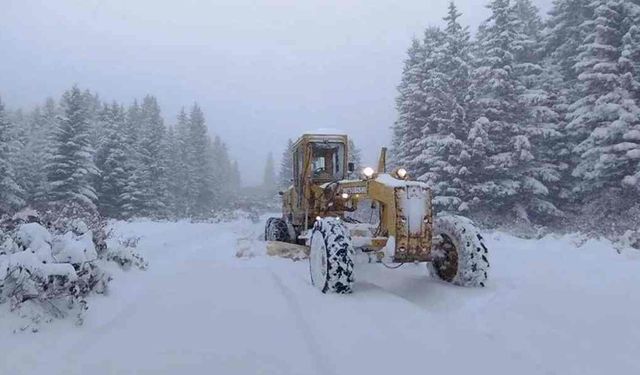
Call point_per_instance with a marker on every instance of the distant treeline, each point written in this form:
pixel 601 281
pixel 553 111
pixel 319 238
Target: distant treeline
pixel 122 161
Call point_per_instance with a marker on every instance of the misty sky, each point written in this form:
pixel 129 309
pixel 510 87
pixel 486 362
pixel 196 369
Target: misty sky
pixel 263 71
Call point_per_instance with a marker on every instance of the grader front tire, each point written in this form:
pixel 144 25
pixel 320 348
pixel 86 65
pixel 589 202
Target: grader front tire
pixel 461 257
pixel 331 257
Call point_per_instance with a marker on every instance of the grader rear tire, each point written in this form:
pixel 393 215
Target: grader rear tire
pixel 461 258
pixel 331 257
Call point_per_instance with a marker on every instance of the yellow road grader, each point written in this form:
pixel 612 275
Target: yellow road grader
pixel 320 211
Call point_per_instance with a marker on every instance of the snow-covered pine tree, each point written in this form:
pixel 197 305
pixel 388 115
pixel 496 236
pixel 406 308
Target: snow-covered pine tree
pixel 185 191
pixel 501 183
pixel 606 118
pixel 285 175
pixel 355 157
pixel 71 167
pixel 94 108
pixel 563 35
pixel 134 191
pixel 444 154
pixel 236 178
pixel 112 160
pixel 269 184
pixel 150 148
pixel 199 164
pixel 222 178
pixel 172 163
pixel 630 56
pixel 432 92
pixel 408 126
pixel 31 160
pixel 11 194
pixel 541 123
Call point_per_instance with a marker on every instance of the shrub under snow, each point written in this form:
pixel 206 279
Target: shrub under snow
pixel 50 263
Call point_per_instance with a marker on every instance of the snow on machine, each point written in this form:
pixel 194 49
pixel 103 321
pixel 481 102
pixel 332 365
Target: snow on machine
pixel 322 210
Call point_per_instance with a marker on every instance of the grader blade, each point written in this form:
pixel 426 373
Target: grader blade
pixel 287 250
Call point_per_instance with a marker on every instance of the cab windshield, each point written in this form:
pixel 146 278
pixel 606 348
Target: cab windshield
pixel 328 161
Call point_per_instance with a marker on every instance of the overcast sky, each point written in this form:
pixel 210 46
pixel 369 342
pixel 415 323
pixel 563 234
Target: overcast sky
pixel 263 71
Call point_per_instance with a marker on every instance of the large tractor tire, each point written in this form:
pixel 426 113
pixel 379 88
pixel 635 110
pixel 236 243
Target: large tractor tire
pixel 276 230
pixel 460 256
pixel 331 257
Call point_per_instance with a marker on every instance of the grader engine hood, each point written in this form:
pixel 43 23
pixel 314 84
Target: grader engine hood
pixel 413 223
pixel 406 216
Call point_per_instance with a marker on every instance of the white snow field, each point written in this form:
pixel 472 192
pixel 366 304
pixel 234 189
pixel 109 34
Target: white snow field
pixel 550 307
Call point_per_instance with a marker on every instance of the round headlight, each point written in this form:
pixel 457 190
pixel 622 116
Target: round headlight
pixel 402 173
pixel 368 172
pixel 345 196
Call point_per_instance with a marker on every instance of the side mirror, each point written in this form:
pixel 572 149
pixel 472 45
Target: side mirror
pixel 351 167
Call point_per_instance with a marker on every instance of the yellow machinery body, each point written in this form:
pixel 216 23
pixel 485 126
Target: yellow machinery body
pixel 320 188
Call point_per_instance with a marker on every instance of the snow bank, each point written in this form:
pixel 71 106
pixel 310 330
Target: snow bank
pixel 48 273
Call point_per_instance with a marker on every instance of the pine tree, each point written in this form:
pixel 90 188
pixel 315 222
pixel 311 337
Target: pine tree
pixel 444 154
pixel 199 164
pixel 605 118
pixel 33 156
pixel 10 192
pixel 629 60
pixel 503 182
pixel 112 160
pixel 133 191
pixel 150 148
pixel 185 191
pixel 269 184
pixel 221 175
pixel 173 165
pixel 71 168
pixel 433 92
pixel 94 108
pixel 355 157
pixel 564 34
pixel 236 179
pixel 409 104
pixel 541 123
pixel 285 176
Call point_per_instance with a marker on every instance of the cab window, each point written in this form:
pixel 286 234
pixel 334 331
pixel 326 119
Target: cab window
pixel 328 161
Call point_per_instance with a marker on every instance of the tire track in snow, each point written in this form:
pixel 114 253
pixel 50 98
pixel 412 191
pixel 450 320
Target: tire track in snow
pixel 322 364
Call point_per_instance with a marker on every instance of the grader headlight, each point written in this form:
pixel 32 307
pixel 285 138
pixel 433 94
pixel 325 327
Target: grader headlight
pixel 368 172
pixel 401 173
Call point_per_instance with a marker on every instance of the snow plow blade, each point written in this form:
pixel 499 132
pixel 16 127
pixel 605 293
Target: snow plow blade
pixel 287 250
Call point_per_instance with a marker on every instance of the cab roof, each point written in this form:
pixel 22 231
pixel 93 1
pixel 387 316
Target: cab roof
pixel 321 136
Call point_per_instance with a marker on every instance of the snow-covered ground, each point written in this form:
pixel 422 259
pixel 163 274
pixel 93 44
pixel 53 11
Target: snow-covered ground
pixel 550 308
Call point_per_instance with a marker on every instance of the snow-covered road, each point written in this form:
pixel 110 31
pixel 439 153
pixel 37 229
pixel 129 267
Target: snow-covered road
pixel 549 308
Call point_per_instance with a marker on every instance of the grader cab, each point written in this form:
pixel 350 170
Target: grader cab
pixel 319 211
